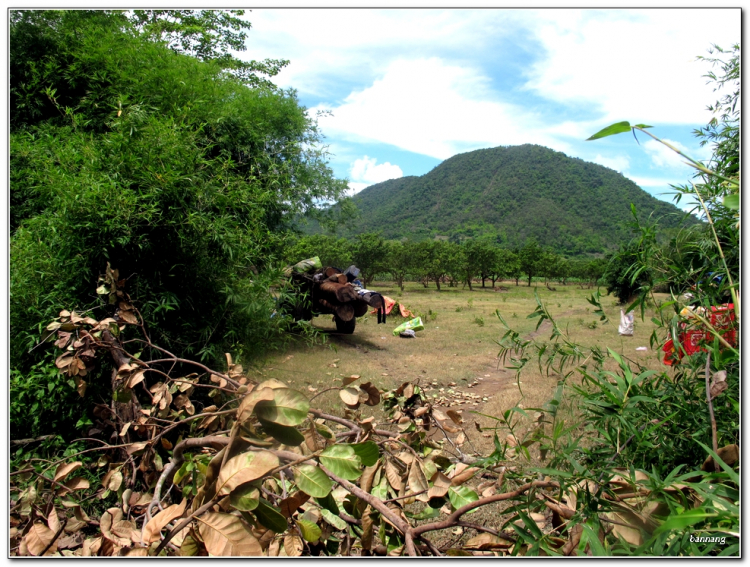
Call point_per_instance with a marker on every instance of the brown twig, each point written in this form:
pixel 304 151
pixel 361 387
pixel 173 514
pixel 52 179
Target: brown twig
pixel 454 517
pixel 494 532
pixel 377 504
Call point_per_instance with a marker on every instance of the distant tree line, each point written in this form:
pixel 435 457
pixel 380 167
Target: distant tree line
pixel 445 262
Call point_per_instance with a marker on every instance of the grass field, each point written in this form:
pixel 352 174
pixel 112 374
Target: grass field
pixel 455 356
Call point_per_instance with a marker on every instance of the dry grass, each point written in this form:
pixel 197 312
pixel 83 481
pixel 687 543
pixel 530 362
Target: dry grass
pixel 458 345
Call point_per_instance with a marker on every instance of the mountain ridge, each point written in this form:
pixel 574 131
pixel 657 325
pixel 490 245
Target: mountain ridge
pixel 511 194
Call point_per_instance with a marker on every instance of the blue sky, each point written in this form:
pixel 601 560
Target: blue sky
pixel 407 89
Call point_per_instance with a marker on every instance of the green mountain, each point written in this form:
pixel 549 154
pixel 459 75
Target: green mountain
pixel 511 194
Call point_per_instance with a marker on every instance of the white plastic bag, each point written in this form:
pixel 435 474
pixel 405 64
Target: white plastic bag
pixel 627 322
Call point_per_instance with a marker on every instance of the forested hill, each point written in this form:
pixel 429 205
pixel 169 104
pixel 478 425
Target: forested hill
pixel 512 194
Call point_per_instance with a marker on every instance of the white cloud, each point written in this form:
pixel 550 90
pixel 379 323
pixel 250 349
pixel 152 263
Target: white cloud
pixel 656 182
pixel 365 170
pixel 619 163
pixel 430 107
pixel 357 44
pixel 637 65
pixel 662 156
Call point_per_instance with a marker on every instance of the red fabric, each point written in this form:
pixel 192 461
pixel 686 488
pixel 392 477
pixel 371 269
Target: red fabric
pixel 721 318
pixel 405 313
pixel 389 303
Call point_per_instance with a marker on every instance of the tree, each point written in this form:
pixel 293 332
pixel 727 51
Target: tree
pixel 331 251
pixel 370 255
pixel 401 256
pixel 166 166
pixel 481 259
pixel 529 258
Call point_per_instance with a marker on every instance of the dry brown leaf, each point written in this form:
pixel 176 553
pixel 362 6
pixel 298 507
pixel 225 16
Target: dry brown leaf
pixel 417 481
pixel 289 505
pixel 486 541
pixel 463 476
pixel 53 522
pixel 293 545
pixel 350 396
pixel 349 379
pixel 243 468
pixel 274 547
pixel 367 531
pixel 373 394
pixel 455 416
pixel 272 383
pixel 450 428
pixel 128 317
pixel 65 469
pixel 159 522
pixel 227 536
pixel 461 438
pixel 107 522
pixel 368 476
pixel 134 552
pixel 393 476
pixel 718 383
pixel 437 414
pixel 76 483
pixel 38 538
pixel 247 405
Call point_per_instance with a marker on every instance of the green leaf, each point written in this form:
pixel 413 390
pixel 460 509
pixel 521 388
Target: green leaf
pixel 619 128
pixel 368 452
pixel 313 481
pixel 245 497
pixel 333 519
pixel 342 460
pixel 732 202
pixel 427 514
pixel 311 532
pixel 644 126
pixel 270 517
pixel 681 521
pixel 552 472
pixel 123 395
pixel 283 434
pixel 461 496
pixel 381 490
pixel 329 503
pixel 288 407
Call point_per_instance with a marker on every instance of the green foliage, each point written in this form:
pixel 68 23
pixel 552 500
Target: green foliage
pixel 126 152
pixel 623 278
pixel 502 193
pixel 370 255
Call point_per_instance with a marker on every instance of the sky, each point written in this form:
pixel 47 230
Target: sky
pixel 401 90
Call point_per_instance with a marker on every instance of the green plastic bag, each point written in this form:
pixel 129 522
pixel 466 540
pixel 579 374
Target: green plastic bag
pixel 413 324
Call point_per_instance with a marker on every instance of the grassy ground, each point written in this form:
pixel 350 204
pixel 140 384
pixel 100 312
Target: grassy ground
pixel 455 356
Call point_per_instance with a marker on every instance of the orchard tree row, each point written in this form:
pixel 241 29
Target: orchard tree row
pixel 442 261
